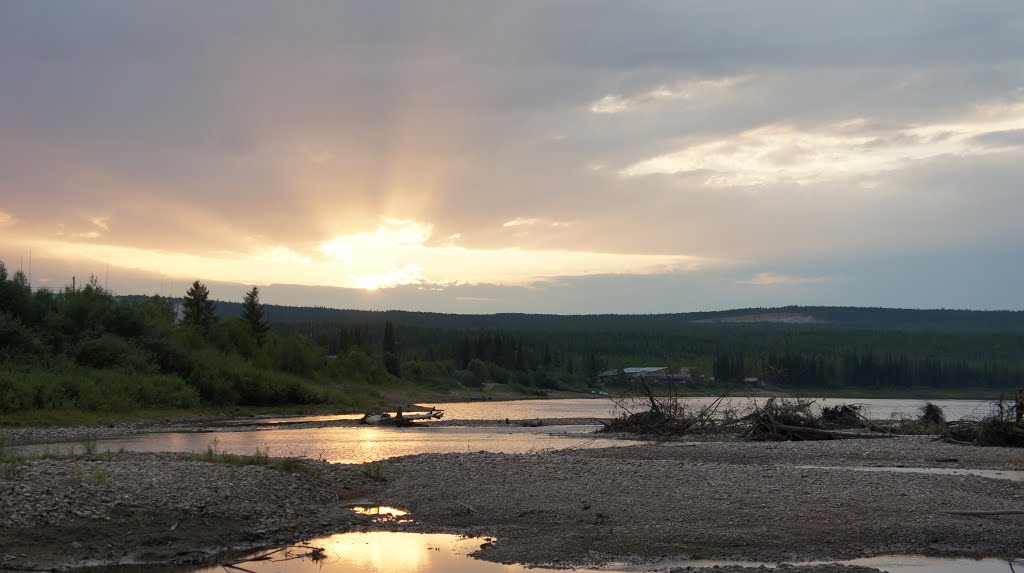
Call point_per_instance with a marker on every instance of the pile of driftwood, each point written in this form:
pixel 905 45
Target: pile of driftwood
pixel 780 419
pixel 665 415
pixel 1005 427
pixel 669 415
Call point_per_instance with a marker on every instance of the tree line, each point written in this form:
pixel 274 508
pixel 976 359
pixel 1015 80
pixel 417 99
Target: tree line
pixel 83 348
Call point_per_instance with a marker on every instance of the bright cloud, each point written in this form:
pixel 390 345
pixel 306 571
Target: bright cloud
pixel 685 90
pixel 6 218
pixel 101 222
pixel 397 252
pixel 393 234
pixel 409 274
pixel 785 154
pixel 519 222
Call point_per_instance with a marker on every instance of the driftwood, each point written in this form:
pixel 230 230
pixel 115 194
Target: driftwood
pixel 782 420
pixel 809 434
pixel 312 553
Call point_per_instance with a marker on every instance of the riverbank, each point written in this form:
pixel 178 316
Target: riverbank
pixel 736 501
pixel 723 501
pixel 130 508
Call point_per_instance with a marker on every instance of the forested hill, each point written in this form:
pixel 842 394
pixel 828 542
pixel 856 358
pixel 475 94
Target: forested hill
pixel 939 320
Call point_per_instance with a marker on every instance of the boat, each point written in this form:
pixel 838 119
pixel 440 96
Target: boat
pixel 401 418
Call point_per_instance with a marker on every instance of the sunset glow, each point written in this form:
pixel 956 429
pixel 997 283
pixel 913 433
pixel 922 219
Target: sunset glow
pixel 521 158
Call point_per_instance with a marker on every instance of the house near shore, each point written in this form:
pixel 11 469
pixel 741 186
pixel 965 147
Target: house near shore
pixel 649 373
pixel 645 371
pixel 753 382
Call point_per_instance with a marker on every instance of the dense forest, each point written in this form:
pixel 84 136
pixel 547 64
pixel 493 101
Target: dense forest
pixel 83 348
pixel 874 349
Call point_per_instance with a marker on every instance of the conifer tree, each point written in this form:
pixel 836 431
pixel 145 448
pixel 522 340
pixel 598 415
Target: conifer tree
pixel 254 314
pixel 198 306
pixel 390 348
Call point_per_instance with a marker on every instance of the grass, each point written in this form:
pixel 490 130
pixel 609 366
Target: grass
pixel 261 457
pixel 374 471
pixel 12 462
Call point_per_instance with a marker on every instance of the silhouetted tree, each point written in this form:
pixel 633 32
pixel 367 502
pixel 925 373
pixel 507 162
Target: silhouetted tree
pixel 198 306
pixel 390 348
pixel 254 315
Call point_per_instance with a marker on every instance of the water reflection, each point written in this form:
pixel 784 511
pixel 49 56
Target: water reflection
pixel 880 409
pixel 1012 475
pixel 379 510
pixel 392 552
pixel 358 444
pixel 383 513
pixel 383 552
pixel 887 563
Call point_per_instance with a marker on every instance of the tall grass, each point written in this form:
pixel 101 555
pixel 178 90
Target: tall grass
pixel 261 457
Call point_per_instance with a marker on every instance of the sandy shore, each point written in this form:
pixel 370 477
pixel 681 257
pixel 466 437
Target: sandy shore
pixel 708 500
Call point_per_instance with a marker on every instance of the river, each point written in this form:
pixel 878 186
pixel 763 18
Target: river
pixel 349 442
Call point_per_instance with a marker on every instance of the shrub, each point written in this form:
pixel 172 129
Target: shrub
pixel 111 351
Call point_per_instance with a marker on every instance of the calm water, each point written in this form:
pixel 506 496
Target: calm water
pixel 357 444
pixel 601 408
pixel 1012 475
pixel 354 443
pixel 394 552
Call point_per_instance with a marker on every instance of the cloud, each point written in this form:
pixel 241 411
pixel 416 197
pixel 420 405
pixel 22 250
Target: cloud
pixel 680 91
pixel 101 222
pixel 398 252
pixel 1001 139
pixel 406 275
pixel 266 144
pixel 520 222
pixel 394 234
pixel 6 219
pixel 783 153
pixel 774 279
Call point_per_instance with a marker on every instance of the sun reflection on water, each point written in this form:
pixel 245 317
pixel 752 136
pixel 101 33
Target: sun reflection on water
pixel 379 510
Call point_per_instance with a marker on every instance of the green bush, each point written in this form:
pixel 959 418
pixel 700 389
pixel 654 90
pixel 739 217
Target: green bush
pixel 16 339
pixel 111 351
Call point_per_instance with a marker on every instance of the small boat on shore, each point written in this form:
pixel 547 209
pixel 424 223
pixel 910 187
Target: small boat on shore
pixel 400 418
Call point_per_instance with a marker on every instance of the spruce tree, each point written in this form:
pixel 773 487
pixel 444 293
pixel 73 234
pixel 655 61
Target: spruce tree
pixel 254 315
pixel 198 306
pixel 390 348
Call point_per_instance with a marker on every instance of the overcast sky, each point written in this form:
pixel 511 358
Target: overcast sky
pixel 569 157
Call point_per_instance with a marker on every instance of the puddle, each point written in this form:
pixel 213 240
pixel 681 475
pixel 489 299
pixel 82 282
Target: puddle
pixel 379 510
pixel 888 563
pixel 381 513
pixel 1012 475
pixel 398 552
pixel 379 552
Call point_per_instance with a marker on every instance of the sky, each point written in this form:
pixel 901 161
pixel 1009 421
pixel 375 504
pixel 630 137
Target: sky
pixel 558 157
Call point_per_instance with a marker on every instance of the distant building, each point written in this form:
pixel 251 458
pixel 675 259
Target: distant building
pixel 753 382
pixel 646 371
